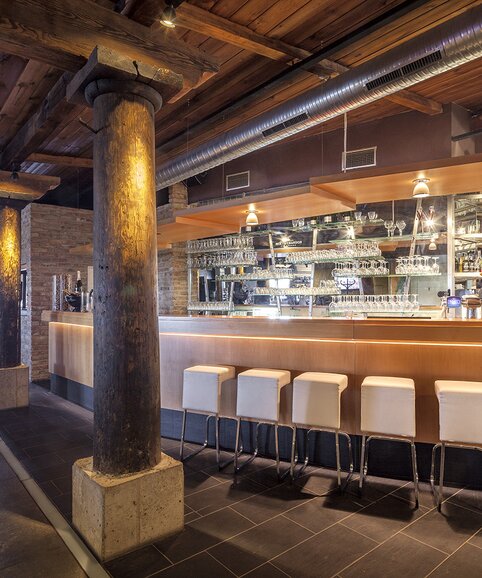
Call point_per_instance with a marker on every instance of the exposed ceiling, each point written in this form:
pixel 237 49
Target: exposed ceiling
pixel 252 41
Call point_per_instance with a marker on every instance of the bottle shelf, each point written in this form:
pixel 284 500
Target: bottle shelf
pixel 467 275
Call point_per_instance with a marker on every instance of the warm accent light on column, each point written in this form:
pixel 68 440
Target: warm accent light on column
pixel 251 217
pixel 421 190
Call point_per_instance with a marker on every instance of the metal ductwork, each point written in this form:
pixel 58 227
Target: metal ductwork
pixel 444 47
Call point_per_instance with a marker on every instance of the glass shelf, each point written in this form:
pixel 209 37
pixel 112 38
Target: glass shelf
pixel 332 260
pixel 390 276
pixel 241 277
pixel 394 239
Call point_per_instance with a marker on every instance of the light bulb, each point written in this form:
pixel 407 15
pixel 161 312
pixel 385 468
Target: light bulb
pixel 433 245
pixel 421 190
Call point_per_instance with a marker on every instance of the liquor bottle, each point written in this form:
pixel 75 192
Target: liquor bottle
pixel 78 284
pixel 466 263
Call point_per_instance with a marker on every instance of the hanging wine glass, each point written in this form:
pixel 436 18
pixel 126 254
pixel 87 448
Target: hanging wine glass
pixel 401 226
pixel 389 226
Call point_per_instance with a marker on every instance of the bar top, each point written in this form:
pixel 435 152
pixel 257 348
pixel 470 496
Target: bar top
pixel 383 329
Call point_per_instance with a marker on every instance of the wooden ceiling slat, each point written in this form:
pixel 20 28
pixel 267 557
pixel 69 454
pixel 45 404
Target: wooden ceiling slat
pixel 31 87
pixel 11 67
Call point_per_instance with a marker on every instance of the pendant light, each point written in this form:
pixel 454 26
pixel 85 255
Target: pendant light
pixel 420 190
pixel 251 218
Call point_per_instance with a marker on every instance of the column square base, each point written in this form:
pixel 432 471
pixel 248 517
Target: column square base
pixel 14 387
pixel 116 515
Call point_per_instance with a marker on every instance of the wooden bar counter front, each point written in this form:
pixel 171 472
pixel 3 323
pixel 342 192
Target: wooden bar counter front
pixel 424 350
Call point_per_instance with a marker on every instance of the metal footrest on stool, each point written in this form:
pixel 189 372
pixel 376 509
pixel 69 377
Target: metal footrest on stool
pixel 206 441
pixel 364 459
pixel 254 455
pixel 294 454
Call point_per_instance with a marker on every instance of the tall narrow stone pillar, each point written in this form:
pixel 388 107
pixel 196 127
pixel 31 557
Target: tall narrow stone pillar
pixel 128 494
pixel 13 375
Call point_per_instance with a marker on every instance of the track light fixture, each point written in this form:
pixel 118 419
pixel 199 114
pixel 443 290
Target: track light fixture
pixel 168 17
pixel 15 170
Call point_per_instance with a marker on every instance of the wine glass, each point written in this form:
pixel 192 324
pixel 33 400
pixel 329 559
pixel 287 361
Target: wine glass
pixel 389 226
pixel 401 226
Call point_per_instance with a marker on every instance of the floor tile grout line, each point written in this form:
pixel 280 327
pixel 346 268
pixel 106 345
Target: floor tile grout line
pixel 165 556
pixel 450 555
pixel 298 524
pixel 78 549
pixel 340 522
pixel 446 554
pixel 243 516
pixel 470 509
pixel 219 562
pixel 403 531
pixel 381 543
pixel 475 545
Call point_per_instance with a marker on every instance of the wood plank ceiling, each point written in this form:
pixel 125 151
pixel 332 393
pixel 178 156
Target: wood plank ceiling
pixel 252 40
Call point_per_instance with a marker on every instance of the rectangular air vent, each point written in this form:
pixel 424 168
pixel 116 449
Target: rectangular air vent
pixel 237 181
pixel 359 158
pixel 405 70
pixel 286 124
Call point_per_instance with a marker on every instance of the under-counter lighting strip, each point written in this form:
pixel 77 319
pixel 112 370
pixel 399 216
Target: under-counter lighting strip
pixel 309 339
pixel 323 339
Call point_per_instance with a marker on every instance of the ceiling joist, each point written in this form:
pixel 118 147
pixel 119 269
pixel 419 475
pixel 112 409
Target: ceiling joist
pixel 46 31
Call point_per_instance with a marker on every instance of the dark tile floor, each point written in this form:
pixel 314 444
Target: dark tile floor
pixel 257 527
pixel 29 545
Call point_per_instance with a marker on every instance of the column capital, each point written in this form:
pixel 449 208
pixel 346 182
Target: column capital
pixel 107 71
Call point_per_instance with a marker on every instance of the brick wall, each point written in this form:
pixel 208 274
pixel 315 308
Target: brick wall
pixel 48 233
pixel 172 262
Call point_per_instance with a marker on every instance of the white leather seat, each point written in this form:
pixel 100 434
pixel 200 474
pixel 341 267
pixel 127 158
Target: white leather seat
pixel 202 387
pixel 388 406
pixel 317 406
pixel 460 420
pixel 316 399
pixel 460 411
pixel 388 411
pixel 259 393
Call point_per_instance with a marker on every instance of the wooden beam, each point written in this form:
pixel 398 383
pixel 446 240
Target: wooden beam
pixel 40 125
pixel 11 67
pixel 46 31
pixel 64 160
pixel 193 18
pixel 416 101
pixel 26 187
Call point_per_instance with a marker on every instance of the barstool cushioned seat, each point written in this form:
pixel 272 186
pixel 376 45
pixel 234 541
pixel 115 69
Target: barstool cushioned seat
pixel 202 387
pixel 460 406
pixel 388 406
pixel 259 393
pixel 316 399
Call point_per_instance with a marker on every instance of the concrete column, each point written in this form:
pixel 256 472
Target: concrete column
pixel 13 375
pixel 127 495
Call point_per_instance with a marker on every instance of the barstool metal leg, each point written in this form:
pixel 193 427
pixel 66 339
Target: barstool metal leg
pixel 236 446
pixel 415 472
pixel 432 468
pixel 218 451
pixel 293 453
pixel 362 463
pixel 441 476
pixel 276 445
pixel 338 465
pixel 206 440
pixel 183 433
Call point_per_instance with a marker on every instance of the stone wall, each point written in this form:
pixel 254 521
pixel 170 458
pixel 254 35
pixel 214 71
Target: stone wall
pixel 172 262
pixel 48 234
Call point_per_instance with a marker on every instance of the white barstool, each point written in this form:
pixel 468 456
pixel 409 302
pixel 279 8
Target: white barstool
pixel 388 412
pixel 316 406
pixel 460 420
pixel 258 399
pixel 202 393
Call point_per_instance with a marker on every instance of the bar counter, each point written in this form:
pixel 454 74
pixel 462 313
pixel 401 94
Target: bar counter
pixel 422 349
